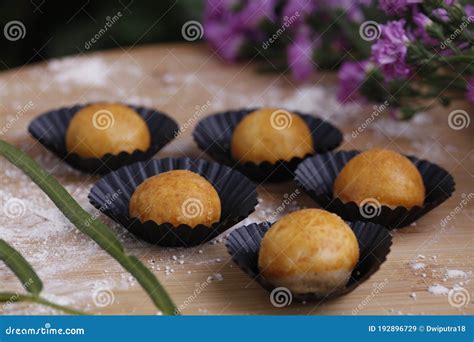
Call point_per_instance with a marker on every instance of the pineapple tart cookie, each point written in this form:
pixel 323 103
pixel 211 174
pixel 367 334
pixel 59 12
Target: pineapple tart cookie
pixel 106 128
pixel 309 251
pixel 271 134
pixel 176 197
pixel 384 175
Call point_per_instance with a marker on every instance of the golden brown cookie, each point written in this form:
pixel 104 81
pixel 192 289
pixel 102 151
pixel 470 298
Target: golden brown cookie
pixel 384 175
pixel 271 134
pixel 177 197
pixel 309 251
pixel 103 128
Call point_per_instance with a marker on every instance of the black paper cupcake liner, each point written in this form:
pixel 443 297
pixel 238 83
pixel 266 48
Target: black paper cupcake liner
pixel 316 175
pixel 50 130
pixel 243 244
pixel 237 193
pixel 213 135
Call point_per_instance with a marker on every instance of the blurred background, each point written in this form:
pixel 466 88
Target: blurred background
pixel 57 28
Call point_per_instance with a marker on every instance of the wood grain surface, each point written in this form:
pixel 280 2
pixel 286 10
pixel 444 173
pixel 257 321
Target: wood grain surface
pixel 183 80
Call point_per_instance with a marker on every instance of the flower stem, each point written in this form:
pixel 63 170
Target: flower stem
pixel 458 58
pixel 15 297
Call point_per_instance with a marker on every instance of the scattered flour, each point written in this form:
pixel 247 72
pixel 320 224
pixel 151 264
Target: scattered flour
pixel 388 127
pixel 418 266
pixel 91 71
pixel 321 101
pixel 455 274
pixel 438 290
pixel 215 277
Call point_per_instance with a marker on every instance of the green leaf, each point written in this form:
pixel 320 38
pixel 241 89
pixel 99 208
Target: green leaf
pixel 95 229
pixel 22 269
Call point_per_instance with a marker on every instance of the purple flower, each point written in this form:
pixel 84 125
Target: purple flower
pixel 255 12
pixel 469 9
pixel 422 21
pixel 299 10
pixel 470 89
pixel 221 29
pixel 441 14
pixel 351 76
pixel 300 55
pixel 227 29
pixel 390 51
pixel 396 7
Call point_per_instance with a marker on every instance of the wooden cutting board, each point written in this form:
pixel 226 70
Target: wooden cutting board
pixel 188 82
